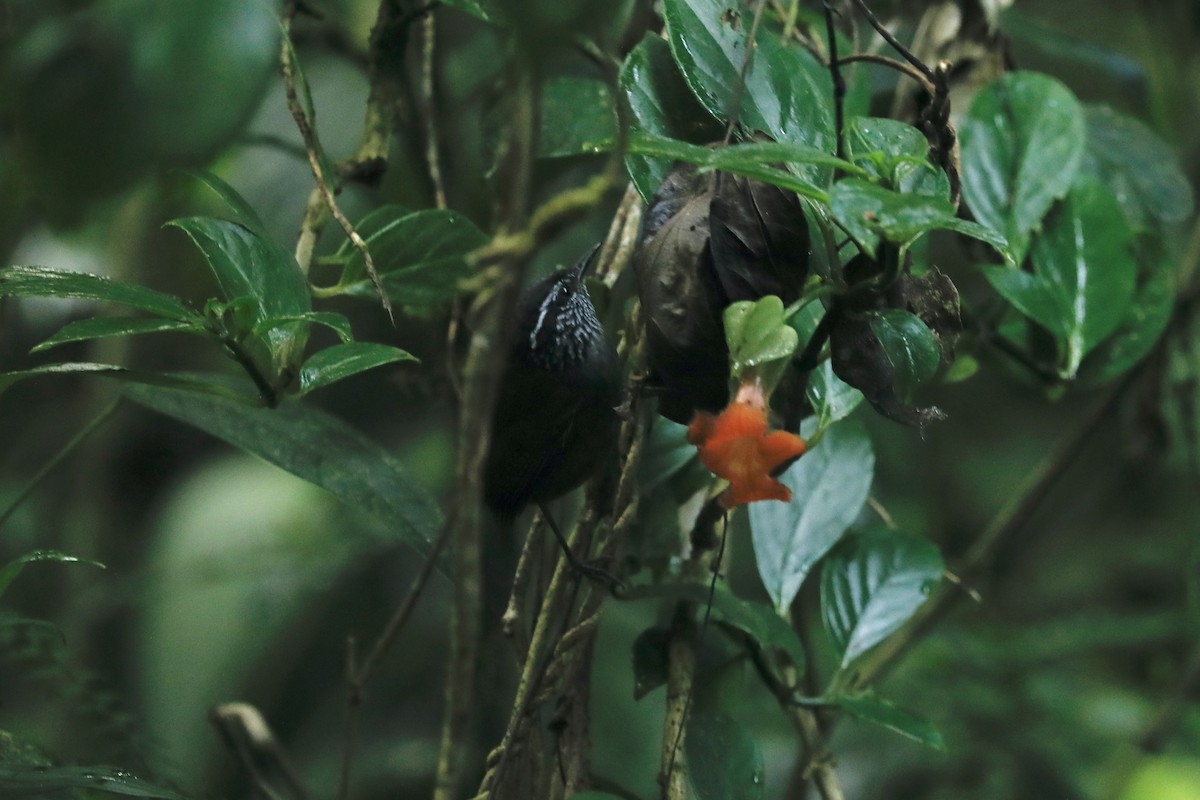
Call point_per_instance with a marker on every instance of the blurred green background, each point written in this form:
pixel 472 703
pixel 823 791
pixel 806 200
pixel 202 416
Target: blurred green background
pixel 229 580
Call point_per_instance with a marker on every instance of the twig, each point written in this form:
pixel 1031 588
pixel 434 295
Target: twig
pixel 87 430
pixel 839 82
pixel 681 669
pixel 428 41
pixel 248 735
pixel 882 30
pixel 735 110
pixel 358 676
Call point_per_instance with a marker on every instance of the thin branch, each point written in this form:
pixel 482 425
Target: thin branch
pixel 839 82
pixel 735 109
pixel 428 97
pixel 882 30
pixel 247 734
pixel 891 63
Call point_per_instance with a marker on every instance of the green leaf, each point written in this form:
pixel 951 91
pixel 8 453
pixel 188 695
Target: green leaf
pixel 870 708
pixel 1084 274
pixel 785 93
pixel 909 347
pixel 829 485
pixel 10 571
pixel 832 399
pixel 243 213
pixel 1141 170
pixel 247 265
pixel 870 212
pixel 421 258
pixel 480 9
pixel 99 327
pixel 195 384
pixel 724 761
pixel 314 446
pixel 596 795
pixel 26 781
pixel 757 333
pixel 660 103
pixel 330 319
pixel 41 282
pixel 577 112
pixel 1138 333
pixel 896 154
pixel 343 360
pixel 871 584
pixel 666 452
pixel 1022 143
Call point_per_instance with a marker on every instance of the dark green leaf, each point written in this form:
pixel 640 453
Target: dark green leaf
pixel 1141 329
pixel 10 571
pixel 317 447
pixel 41 282
pixel 724 761
pixel 421 258
pixel 831 397
pixel 1022 143
pixel 247 265
pixel 243 213
pixel 99 327
pixel 874 709
pixel 650 660
pixel 871 584
pixel 785 92
pixel 595 795
pixel 909 346
pixel 661 104
pixel 1141 170
pixel 829 485
pixel 330 319
pixel 666 452
pixel 343 360
pixel 480 9
pixel 25 781
pixel 576 114
pixel 369 225
pixel 194 384
pixel 1084 274
pixel 870 212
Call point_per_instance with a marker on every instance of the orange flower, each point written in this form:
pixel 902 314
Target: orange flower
pixel 735 445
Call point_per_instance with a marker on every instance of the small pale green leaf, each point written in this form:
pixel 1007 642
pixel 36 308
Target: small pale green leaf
pixel 343 360
pixel 421 258
pixel 1022 143
pixel 315 446
pixel 909 346
pixel 1141 170
pixel 757 333
pixel 21 281
pixel 26 781
pixel 100 327
pixel 724 761
pixel 870 708
pixel 10 571
pixel 829 484
pixel 896 154
pixel 872 583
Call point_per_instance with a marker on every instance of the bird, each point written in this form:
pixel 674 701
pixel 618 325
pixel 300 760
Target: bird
pixel 555 419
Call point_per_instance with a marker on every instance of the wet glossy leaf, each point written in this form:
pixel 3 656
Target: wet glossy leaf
pixel 1084 274
pixel 340 361
pixel 829 486
pixel 871 708
pixel 21 281
pixel 421 257
pixel 832 398
pixel 25 781
pixel 196 384
pixel 1140 169
pixel 785 94
pixel 757 334
pixel 661 104
pixel 1022 143
pixel 909 347
pixel 315 446
pixel 897 154
pixel 577 113
pixel 330 319
pixel 100 327
pixel 1139 332
pixel 10 571
pixel 871 584
pixel 724 761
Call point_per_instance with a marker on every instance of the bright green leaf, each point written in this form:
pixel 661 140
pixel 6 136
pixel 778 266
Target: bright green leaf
pixel 724 761
pixel 757 333
pixel 871 584
pixel 829 484
pixel 41 282
pixel 870 708
pixel 1022 143
pixel 10 571
pixel 343 360
pixel 317 447
pixel 909 347
pixel 99 327
pixel 895 153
